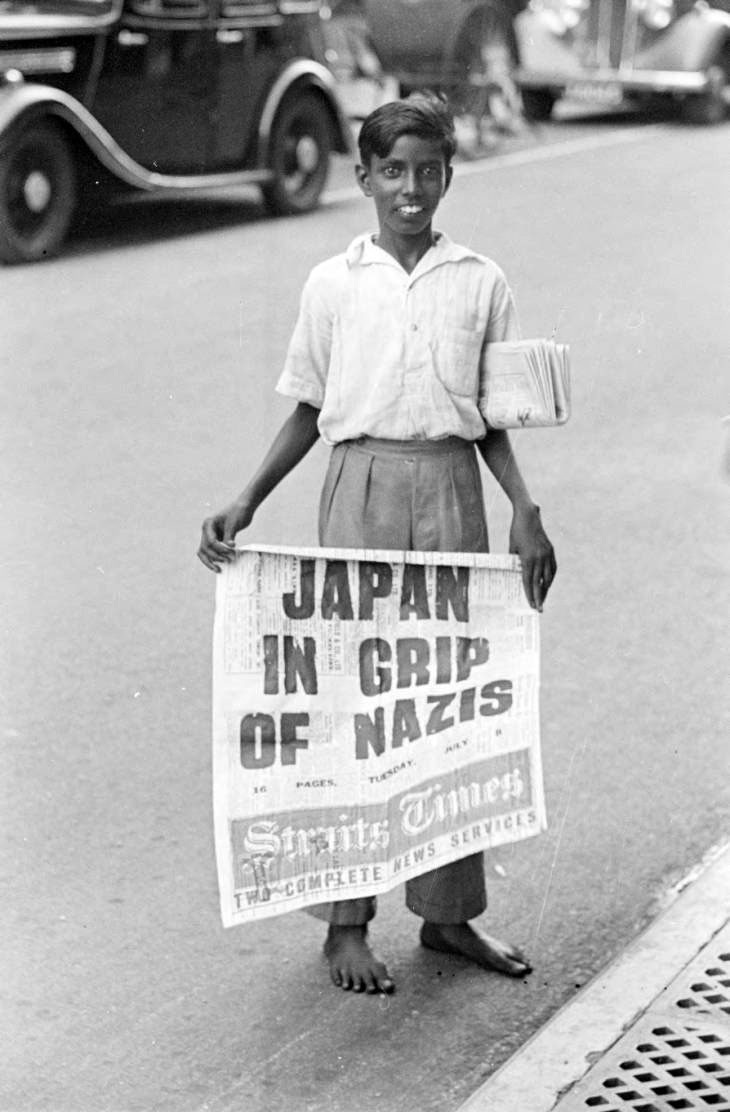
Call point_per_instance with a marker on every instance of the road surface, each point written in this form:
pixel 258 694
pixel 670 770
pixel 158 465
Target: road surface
pixel 137 384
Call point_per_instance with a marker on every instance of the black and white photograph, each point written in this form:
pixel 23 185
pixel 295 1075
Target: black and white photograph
pixel 365 371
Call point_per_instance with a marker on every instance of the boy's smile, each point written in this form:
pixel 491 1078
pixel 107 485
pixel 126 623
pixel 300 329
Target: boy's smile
pixel 406 185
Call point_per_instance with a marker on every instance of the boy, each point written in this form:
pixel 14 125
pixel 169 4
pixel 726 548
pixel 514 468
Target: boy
pixel 384 365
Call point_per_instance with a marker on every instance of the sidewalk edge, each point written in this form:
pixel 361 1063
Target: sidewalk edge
pixel 565 1048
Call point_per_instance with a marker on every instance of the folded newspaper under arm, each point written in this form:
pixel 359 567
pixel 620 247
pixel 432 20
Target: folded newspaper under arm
pixel 525 384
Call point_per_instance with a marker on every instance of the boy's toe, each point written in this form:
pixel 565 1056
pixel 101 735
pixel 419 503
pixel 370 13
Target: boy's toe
pixel 386 985
pixel 510 960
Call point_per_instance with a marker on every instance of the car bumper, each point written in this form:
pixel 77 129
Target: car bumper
pixel 628 81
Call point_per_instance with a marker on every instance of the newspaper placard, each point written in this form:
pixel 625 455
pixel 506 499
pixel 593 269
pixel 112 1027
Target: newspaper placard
pixel 375 715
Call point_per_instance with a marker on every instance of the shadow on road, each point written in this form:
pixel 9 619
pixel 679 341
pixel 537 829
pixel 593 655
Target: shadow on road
pixel 126 221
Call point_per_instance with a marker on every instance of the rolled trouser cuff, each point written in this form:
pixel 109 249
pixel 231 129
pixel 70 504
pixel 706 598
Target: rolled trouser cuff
pixel 453 893
pixel 345 913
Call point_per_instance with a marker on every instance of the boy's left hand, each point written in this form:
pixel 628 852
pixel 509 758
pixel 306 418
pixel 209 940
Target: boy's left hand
pixel 529 541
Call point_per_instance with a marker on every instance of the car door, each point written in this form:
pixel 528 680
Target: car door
pixel 155 92
pixel 247 56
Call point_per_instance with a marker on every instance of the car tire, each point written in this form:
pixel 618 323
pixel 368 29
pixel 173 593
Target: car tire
pixel 537 104
pixel 708 108
pixel 37 192
pixel 300 148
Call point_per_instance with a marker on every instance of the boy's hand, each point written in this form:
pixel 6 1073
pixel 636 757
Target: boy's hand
pixel 529 541
pixel 219 532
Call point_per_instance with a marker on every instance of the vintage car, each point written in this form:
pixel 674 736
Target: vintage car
pixel 639 50
pixel 465 48
pixel 156 95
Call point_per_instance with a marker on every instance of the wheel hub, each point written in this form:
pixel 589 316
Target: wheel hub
pixel 307 154
pixel 37 191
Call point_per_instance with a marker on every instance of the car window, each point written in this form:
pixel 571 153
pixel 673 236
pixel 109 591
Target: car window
pixel 170 9
pixel 231 8
pixel 56 7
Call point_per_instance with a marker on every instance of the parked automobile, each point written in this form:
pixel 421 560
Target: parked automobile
pixel 610 50
pixel 362 82
pixel 156 95
pixel 465 48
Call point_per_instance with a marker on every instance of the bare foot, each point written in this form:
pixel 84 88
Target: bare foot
pixel 352 963
pixel 461 938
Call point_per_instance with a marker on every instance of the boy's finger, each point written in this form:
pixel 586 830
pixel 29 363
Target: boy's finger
pixel 538 585
pixel 222 549
pixel 548 568
pixel 212 543
pixel 549 573
pixel 230 528
pixel 204 559
pixel 527 580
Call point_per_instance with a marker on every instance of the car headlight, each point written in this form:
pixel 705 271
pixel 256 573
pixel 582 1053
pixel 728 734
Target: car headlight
pixel 564 15
pixel 656 14
pixel 571 12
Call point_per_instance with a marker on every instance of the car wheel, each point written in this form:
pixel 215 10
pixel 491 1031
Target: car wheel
pixel 37 193
pixel 301 142
pixel 485 61
pixel 537 104
pixel 708 107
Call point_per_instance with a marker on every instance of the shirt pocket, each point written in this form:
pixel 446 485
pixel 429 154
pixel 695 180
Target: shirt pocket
pixel 458 351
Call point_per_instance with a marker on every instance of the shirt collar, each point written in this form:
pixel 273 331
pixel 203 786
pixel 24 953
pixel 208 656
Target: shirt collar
pixel 363 251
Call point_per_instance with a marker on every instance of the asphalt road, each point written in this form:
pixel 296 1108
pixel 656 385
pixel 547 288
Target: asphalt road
pixel 137 391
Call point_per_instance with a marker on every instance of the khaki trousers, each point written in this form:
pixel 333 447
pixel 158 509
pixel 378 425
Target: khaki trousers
pixel 423 496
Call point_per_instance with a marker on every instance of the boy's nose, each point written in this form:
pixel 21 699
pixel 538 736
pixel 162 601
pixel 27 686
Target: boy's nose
pixel 410 184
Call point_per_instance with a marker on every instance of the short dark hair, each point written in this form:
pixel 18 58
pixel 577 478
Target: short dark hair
pixel 424 114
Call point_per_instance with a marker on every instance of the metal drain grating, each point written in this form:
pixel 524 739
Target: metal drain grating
pixel 659 1068
pixel 702 990
pixel 677 1056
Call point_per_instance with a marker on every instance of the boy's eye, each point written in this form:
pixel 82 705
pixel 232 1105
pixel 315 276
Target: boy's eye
pixel 391 171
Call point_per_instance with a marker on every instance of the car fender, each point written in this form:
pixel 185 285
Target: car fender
pixel 473 9
pixel 299 75
pixel 418 42
pixel 23 102
pixel 693 43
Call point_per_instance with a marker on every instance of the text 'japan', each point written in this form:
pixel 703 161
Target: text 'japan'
pixel 350 592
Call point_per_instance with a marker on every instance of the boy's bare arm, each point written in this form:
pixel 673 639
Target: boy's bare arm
pixel 294 439
pixel 527 538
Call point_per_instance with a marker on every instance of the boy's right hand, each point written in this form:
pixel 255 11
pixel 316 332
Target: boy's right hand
pixel 217 541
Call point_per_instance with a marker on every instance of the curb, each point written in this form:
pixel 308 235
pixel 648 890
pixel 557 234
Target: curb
pixel 562 1052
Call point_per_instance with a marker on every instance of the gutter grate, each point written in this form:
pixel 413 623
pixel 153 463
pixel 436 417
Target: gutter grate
pixel 702 990
pixel 660 1067
pixel 677 1056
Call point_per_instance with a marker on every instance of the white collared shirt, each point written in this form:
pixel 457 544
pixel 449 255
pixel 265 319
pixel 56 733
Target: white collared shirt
pixel 395 355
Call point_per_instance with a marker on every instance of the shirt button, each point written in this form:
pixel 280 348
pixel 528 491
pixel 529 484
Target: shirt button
pixel 414 328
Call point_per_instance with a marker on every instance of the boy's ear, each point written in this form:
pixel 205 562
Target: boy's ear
pixel 363 179
pixel 448 176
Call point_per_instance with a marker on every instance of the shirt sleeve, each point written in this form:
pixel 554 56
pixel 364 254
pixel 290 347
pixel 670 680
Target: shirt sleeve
pixel 503 320
pixel 304 376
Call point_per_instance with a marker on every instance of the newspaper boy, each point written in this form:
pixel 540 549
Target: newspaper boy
pixel 383 364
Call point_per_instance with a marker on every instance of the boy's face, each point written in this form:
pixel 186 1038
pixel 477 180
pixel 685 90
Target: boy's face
pixel 406 185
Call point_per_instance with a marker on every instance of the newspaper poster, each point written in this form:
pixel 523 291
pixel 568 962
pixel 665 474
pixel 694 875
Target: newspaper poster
pixel 375 715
